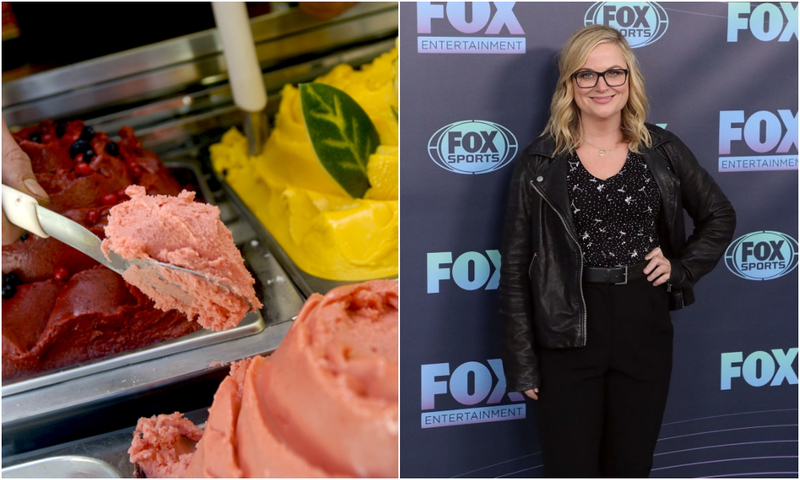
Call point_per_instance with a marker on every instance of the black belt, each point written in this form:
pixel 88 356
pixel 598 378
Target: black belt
pixel 615 275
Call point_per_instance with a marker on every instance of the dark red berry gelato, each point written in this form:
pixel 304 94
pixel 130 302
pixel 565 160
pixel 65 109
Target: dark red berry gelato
pixel 60 307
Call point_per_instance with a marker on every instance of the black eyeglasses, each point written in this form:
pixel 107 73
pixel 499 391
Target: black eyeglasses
pixel 614 77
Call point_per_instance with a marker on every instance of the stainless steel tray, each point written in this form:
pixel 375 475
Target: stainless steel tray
pixel 108 450
pixel 48 405
pixel 60 412
pixel 72 466
pixel 251 324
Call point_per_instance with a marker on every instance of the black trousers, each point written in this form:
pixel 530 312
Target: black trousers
pixel 600 407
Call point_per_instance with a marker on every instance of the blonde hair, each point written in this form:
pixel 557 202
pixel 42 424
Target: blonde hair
pixel 565 119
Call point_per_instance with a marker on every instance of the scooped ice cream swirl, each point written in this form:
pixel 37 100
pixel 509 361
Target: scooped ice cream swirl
pixel 324 404
pixel 186 234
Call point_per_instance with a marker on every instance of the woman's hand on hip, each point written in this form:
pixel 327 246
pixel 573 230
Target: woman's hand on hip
pixel 532 393
pixel 658 269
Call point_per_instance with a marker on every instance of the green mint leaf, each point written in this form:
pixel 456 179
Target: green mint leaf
pixel 341 133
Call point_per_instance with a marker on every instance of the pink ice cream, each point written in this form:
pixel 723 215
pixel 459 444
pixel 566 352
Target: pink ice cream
pixel 187 234
pixel 324 404
pixel 174 439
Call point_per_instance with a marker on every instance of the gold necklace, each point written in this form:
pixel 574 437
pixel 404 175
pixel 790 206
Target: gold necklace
pixel 600 151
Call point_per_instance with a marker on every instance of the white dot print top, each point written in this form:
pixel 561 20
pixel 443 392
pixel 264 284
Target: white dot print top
pixel 616 219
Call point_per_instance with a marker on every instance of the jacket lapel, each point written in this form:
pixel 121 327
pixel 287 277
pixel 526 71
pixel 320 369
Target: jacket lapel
pixel 666 180
pixel 551 181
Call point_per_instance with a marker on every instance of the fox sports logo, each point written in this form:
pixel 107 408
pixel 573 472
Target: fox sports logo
pixel 764 255
pixel 641 23
pixel 472 146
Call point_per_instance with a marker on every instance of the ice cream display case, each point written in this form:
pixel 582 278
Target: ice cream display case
pixel 176 97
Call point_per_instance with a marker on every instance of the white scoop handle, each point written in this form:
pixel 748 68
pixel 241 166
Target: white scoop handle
pixel 241 58
pixel 20 209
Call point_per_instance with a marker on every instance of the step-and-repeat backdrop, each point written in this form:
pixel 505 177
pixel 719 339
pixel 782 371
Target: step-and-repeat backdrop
pixel 476 82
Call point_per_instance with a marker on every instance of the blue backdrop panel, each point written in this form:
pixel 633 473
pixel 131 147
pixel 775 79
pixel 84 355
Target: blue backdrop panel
pixel 476 82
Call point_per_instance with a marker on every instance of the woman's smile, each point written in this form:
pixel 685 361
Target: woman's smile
pixel 602 102
pixel 602 99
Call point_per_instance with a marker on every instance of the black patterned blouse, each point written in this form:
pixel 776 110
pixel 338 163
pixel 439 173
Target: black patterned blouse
pixel 616 218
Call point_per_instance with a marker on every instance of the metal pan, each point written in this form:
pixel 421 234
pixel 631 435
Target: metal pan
pixel 73 466
pixel 253 323
pixel 56 407
pixel 108 451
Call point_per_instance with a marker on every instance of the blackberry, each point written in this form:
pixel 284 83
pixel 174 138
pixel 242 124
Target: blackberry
pixel 35 137
pixel 10 282
pixel 87 133
pixel 24 237
pixel 9 290
pixel 80 146
pixel 87 155
pixel 112 149
pixel 10 278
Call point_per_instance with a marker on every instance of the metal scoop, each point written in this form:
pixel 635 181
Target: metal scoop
pixel 24 211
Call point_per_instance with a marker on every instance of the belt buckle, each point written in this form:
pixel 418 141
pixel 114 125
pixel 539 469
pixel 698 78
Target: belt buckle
pixel 625 274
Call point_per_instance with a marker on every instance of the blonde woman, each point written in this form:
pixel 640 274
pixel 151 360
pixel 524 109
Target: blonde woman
pixel 595 255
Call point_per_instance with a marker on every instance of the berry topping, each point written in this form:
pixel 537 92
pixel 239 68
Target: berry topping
pixel 112 149
pixel 10 282
pixel 61 129
pixel 35 137
pixel 9 290
pixel 108 199
pixel 80 146
pixel 92 216
pixel 121 193
pixel 11 278
pixel 137 172
pixel 24 237
pixel 60 171
pixel 83 168
pixel 60 274
pixel 87 133
pixel 79 158
pixel 132 164
pixel 88 155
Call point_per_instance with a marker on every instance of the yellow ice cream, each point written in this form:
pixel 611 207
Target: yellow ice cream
pixel 326 232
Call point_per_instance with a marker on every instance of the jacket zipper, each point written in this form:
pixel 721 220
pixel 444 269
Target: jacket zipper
pixel 580 270
pixel 530 265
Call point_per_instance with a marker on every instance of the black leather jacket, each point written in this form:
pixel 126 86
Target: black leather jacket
pixel 541 291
